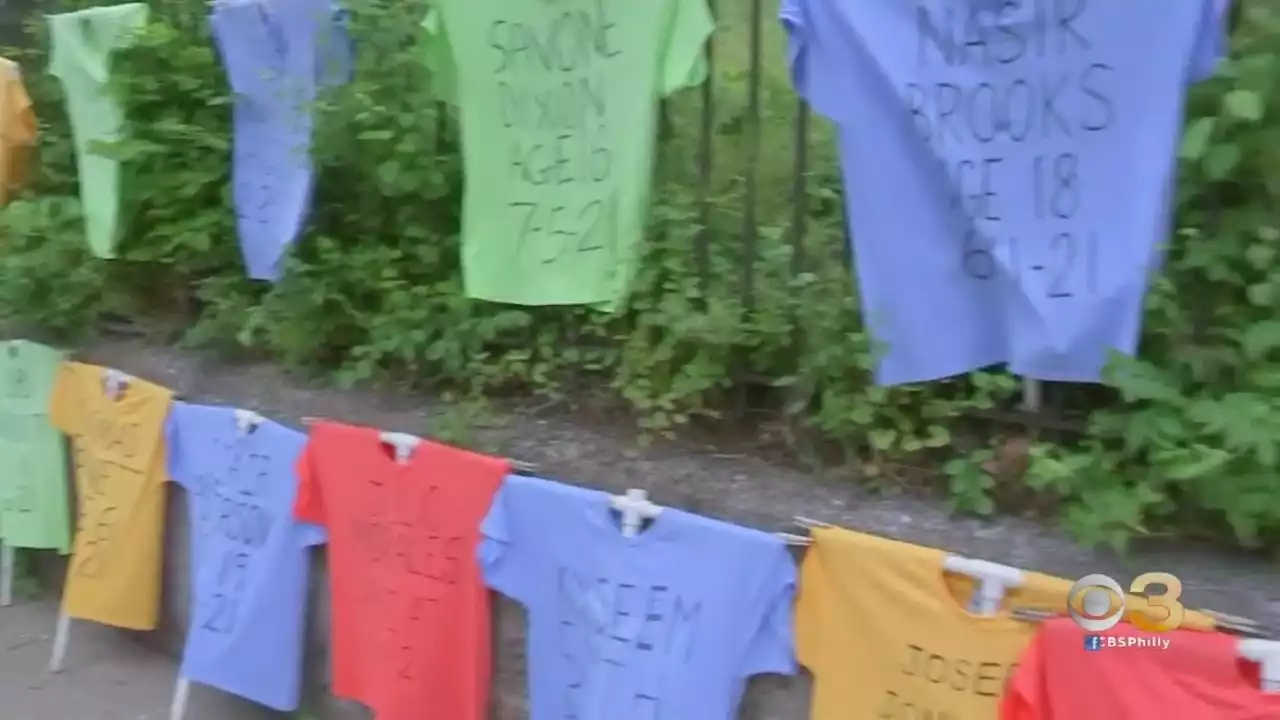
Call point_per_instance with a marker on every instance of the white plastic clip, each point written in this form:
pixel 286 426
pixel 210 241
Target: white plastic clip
pixel 993 579
pixel 635 508
pixel 61 639
pixel 6 575
pixel 404 444
pixel 1267 654
pixel 115 381
pixel 181 694
pixel 246 421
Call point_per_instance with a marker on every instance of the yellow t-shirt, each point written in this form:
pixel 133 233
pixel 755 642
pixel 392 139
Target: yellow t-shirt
pixel 18 133
pixel 886 634
pixel 114 575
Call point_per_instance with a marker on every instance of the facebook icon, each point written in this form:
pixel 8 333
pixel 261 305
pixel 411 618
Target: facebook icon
pixel 1092 642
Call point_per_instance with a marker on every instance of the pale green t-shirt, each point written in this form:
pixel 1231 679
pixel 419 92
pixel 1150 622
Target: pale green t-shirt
pixel 558 102
pixel 33 472
pixel 81 44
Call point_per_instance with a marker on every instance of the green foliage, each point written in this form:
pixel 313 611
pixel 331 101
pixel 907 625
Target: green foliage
pixel 373 292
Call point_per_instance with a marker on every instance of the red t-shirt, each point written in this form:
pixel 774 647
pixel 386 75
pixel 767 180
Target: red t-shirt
pixel 410 613
pixel 1198 676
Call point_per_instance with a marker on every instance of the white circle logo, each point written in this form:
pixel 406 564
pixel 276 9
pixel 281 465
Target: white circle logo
pixel 1101 603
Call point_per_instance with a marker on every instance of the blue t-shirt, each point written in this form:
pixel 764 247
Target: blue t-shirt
pixel 1008 167
pixel 249 558
pixel 277 55
pixel 667 625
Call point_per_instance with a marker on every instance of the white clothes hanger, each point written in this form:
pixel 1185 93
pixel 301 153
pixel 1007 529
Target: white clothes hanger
pixel 1267 654
pixel 635 508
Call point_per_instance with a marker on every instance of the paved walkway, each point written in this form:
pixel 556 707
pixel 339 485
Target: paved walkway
pixel 108 675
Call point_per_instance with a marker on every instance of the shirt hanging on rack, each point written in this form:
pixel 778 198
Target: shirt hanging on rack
pixel 33 483
pixel 1128 674
pixel 558 115
pixel 667 624
pixel 114 574
pixel 81 46
pixel 276 52
pixel 887 613
pixel 410 616
pixel 249 558
pixel 1007 168
pixel 19 132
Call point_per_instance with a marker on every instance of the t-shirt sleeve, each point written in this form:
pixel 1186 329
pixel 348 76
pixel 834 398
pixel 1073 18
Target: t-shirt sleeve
pixel 308 504
pixel 308 531
pixel 437 56
pixel 1212 41
pixel 337 51
pixel 59 36
pixel 815 70
pixel 236 48
pixel 502 551
pixel 1024 697
pixel 63 410
pixel 772 647
pixel 21 128
pixel 808 619
pixel 684 55
pixel 174 456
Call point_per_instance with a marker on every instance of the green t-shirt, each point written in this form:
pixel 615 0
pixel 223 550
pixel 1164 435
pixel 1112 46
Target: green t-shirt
pixel 558 102
pixel 33 475
pixel 81 44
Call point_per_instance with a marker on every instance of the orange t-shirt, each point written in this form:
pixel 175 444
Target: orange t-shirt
pixel 114 574
pixel 410 613
pixel 1197 676
pixel 19 131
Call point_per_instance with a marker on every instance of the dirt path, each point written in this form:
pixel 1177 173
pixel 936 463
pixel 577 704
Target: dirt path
pixel 108 675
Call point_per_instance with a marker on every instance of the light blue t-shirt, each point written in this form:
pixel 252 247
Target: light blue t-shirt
pixel 277 54
pixel 249 558
pixel 1008 168
pixel 668 625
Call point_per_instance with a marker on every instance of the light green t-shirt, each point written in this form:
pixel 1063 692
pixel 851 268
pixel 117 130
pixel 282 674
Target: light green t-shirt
pixel 81 44
pixel 33 472
pixel 558 102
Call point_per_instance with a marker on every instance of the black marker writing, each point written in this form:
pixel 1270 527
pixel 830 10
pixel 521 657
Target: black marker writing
pixel 231 513
pixel 925 672
pixel 1042 91
pixel 222 606
pixel 412 559
pixel 621 639
pixel 552 81
pixel 105 486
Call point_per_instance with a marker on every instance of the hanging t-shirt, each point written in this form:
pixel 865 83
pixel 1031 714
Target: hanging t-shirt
pixel 81 44
pixel 19 132
pixel 558 103
pixel 249 558
pixel 275 52
pixel 336 49
pixel 114 574
pixel 885 612
pixel 1135 675
pixel 410 616
pixel 668 624
pixel 1007 169
pixel 33 477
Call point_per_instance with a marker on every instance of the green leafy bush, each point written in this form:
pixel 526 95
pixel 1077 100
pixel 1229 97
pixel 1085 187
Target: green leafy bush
pixel 1189 439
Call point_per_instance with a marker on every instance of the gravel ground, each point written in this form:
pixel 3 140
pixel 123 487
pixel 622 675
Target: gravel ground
pixel 109 676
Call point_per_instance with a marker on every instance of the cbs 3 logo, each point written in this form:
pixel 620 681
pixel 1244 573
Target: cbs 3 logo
pixel 1097 603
